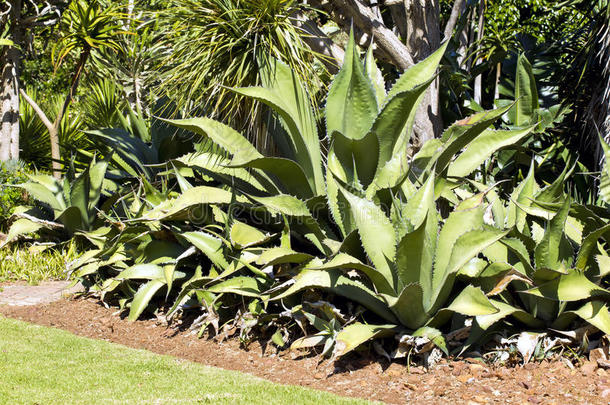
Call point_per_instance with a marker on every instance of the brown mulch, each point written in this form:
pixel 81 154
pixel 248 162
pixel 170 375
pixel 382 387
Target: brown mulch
pixel 459 382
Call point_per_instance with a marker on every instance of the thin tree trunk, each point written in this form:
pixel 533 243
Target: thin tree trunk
pixel 423 38
pixel 498 75
pixel 464 40
pixel 54 134
pixel 478 81
pixel 10 62
pixel 53 127
pixel 9 135
pixel 459 6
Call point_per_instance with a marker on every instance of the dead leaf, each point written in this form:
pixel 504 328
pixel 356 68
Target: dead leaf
pixel 526 344
pixel 510 276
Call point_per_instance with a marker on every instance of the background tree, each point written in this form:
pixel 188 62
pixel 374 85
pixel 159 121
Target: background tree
pixel 21 21
pixel 213 45
pixel 85 27
pixel 590 70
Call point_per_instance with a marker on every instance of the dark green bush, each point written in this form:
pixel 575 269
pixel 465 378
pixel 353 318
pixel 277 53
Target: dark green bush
pixel 11 173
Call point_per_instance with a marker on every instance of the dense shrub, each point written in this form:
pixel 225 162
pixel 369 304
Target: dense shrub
pixel 11 173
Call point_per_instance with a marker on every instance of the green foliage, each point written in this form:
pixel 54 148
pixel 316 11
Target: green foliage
pixel 551 267
pixel 34 137
pixel 11 174
pixel 36 263
pixel 550 154
pixel 87 25
pixel 543 20
pixel 66 206
pixel 234 234
pixel 136 146
pixel 347 230
pixel 39 76
pixel 102 105
pixel 524 93
pixel 215 44
pixel 134 64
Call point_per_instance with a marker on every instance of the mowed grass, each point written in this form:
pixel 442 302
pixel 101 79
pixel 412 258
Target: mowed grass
pixel 33 264
pixel 40 365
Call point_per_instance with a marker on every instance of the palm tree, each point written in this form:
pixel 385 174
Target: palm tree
pixel 218 44
pixel 598 110
pixel 85 27
pixel 590 68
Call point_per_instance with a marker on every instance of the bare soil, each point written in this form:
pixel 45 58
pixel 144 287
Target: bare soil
pixel 363 376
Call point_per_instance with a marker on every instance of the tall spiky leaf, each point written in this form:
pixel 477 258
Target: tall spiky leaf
pixel 283 91
pixel 351 106
pixel 376 233
pixel 526 93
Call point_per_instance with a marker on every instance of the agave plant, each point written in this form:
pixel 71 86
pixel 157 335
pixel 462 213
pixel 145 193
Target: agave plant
pixel 532 107
pixel 376 187
pixel 361 220
pixel 138 148
pixel 134 259
pixel 546 260
pixel 72 203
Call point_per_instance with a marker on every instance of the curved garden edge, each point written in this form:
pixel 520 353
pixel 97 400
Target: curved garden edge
pixel 360 375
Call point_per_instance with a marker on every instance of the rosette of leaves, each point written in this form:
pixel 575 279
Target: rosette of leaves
pixel 378 197
pixel 552 266
pixel 182 243
pixel 64 207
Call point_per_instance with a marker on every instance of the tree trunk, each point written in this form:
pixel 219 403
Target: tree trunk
pixel 53 127
pixel 478 81
pixel 498 76
pixel 459 6
pixel 418 21
pixel 54 130
pixel 423 38
pixel 314 37
pixel 10 61
pixel 387 44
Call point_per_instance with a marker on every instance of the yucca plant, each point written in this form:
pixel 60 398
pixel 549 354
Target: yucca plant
pixel 34 137
pixel 133 63
pixel 217 44
pixel 102 104
pixel 86 26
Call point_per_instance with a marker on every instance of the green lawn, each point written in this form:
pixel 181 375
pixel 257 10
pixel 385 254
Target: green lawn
pixel 40 365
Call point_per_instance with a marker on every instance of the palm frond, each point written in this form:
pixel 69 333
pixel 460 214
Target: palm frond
pixel 218 44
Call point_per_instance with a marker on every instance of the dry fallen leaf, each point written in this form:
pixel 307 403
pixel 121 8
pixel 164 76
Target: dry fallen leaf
pixel 526 344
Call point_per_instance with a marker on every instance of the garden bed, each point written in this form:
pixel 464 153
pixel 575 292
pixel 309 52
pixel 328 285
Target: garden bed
pixel 359 375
